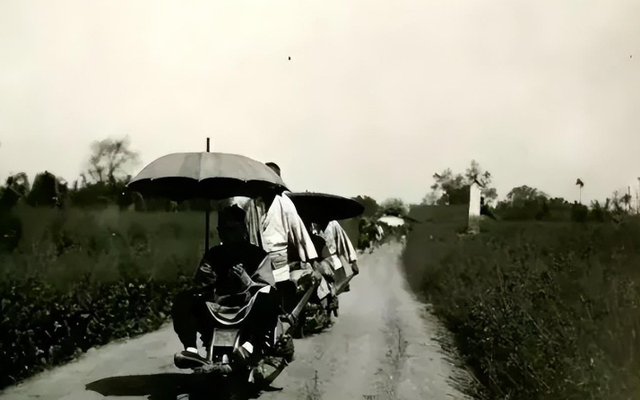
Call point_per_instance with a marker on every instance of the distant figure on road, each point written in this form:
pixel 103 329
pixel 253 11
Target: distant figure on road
pixel 370 235
pixel 363 239
pixel 339 250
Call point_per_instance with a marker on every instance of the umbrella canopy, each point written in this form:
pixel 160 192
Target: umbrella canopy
pixel 182 176
pixel 319 207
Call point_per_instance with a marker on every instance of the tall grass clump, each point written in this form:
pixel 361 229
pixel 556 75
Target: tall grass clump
pixel 538 310
pixel 83 278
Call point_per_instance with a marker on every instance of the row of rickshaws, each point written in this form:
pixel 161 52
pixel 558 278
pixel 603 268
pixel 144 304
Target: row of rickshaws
pixel 230 353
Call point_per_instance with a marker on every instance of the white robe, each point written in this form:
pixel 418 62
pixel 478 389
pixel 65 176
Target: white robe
pixel 380 232
pixel 339 246
pixel 338 242
pixel 280 232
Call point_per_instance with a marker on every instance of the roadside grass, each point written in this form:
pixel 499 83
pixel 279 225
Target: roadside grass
pixel 538 310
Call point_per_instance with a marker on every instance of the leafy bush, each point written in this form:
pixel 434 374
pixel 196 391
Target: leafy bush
pixel 42 326
pixel 394 207
pixel 538 310
pixel 579 213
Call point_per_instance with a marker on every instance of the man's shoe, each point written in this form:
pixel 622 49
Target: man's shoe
pixel 187 359
pixel 284 348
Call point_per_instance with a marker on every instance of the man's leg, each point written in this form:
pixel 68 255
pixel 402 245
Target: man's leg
pixel 267 320
pixel 333 300
pixel 264 316
pixel 287 293
pixel 205 325
pixel 186 309
pixel 184 321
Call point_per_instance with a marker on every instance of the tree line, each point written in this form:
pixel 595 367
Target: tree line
pixel 525 202
pixel 103 183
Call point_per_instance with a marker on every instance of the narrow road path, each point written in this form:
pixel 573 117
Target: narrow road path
pixel 381 347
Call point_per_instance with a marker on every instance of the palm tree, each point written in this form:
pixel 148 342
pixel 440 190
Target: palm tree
pixel 580 184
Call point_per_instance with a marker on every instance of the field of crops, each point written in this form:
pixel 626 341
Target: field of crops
pixel 83 278
pixel 537 309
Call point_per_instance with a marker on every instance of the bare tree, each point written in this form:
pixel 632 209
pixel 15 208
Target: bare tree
pixel 111 159
pixel 475 172
pixel 19 183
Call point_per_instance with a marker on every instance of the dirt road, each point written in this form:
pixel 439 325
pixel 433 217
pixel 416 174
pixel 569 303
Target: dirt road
pixel 381 347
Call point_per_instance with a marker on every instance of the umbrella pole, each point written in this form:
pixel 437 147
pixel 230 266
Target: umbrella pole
pixel 207 216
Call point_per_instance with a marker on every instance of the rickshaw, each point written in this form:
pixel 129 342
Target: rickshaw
pixel 218 176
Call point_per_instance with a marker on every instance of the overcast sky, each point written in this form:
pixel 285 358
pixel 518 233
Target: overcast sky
pixel 378 95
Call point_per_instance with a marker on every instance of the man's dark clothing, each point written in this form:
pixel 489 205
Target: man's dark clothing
pixel 222 259
pixel 214 278
pixel 190 316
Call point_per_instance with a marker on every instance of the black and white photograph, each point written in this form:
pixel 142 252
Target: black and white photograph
pixel 319 200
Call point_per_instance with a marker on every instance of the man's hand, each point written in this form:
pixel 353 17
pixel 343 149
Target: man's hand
pixel 205 276
pixel 326 270
pixel 206 268
pixel 238 268
pixel 215 307
pixel 238 272
pixel 355 269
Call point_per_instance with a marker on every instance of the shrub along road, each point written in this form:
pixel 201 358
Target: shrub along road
pixel 381 347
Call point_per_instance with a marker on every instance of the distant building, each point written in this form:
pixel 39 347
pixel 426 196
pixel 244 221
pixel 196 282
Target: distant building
pixel 475 195
pixel 475 200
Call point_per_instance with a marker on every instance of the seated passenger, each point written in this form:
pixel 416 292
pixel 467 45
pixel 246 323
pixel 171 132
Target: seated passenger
pixel 228 276
pixel 339 249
